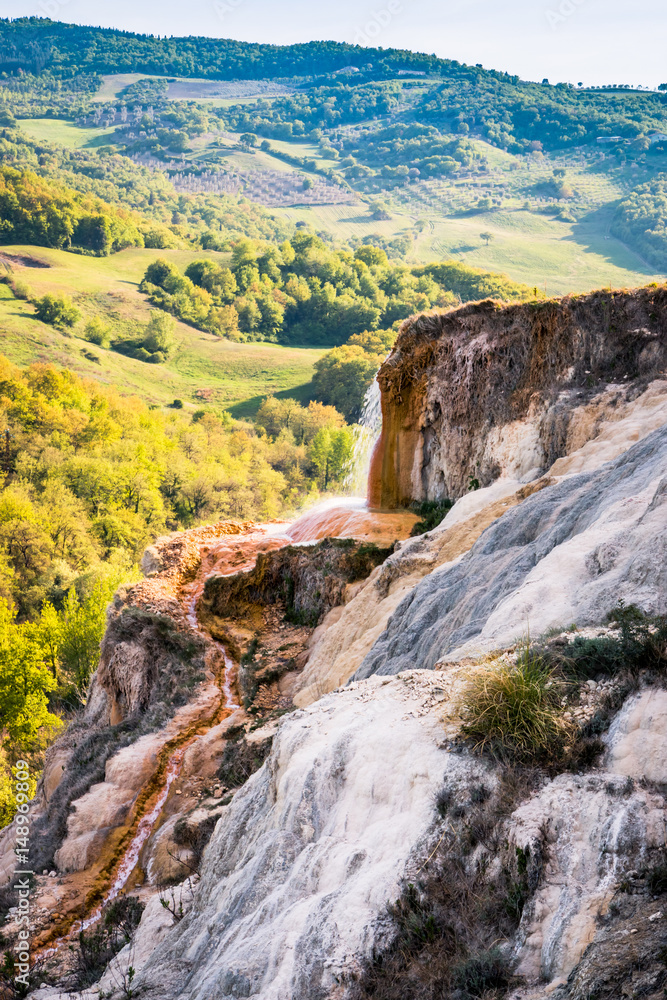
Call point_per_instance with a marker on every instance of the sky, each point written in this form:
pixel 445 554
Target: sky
pixel 588 41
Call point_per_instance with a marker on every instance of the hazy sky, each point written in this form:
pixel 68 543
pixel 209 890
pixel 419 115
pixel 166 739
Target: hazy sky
pixel 594 41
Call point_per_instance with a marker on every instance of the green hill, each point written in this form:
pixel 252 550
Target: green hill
pixel 203 368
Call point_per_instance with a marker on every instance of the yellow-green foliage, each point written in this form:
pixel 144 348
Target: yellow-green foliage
pixel 344 374
pixel 513 709
pixel 91 477
pixel 26 724
pixel 49 214
pixel 94 476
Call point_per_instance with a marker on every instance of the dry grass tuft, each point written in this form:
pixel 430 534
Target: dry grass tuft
pixel 513 710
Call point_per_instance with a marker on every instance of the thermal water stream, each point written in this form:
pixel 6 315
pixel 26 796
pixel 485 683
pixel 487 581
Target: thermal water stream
pixel 343 517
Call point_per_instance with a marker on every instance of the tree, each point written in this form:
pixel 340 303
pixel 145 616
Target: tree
pixel 487 236
pixel 164 274
pixel 371 255
pixel 82 629
pixel 159 334
pixel 319 454
pixel 197 498
pixel 275 414
pixel 25 684
pixel 50 633
pixel 330 452
pixel 58 310
pixel 98 332
pixel 342 377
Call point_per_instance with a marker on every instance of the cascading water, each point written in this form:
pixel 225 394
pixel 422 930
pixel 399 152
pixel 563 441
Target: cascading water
pixel 366 435
pixel 341 517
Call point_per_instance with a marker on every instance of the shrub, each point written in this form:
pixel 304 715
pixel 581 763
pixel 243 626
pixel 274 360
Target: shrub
pixel 656 879
pixel 97 332
pixel 480 973
pixel 431 512
pixel 241 758
pixel 159 334
pixel 513 710
pixel 21 290
pixel 194 836
pixel 640 646
pixel 58 310
pixel 116 929
pixel 156 342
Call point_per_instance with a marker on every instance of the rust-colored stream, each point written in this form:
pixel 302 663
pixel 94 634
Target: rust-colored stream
pixel 227 555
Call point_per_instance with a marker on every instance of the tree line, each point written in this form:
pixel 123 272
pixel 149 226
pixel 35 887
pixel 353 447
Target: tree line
pixel 304 292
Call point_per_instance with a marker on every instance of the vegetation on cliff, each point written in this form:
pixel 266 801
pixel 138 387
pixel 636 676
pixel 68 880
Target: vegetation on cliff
pixel 476 883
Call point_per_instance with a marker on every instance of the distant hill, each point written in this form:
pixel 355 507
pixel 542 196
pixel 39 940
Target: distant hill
pixel 500 106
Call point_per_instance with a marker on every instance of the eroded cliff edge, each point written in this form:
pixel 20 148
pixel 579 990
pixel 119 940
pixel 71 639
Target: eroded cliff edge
pixel 490 390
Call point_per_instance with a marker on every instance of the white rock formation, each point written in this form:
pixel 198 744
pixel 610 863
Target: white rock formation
pixel 303 862
pixel 599 826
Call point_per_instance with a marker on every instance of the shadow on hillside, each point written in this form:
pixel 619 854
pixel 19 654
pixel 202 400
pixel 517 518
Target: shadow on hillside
pixel 249 407
pixel 593 233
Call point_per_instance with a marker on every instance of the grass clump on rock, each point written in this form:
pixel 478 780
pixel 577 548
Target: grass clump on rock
pixel 513 710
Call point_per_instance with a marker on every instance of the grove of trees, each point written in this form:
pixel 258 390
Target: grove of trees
pixel 304 292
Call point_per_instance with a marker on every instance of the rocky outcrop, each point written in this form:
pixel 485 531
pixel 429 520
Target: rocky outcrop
pixel 307 581
pixel 348 633
pixel 302 863
pixel 490 390
pixel 568 553
pixel 361 846
pixel 348 808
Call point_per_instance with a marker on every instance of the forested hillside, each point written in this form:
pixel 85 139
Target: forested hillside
pixel 509 111
pixel 408 136
pixel 303 292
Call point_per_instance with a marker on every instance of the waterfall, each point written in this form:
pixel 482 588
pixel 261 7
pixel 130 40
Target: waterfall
pixel 366 434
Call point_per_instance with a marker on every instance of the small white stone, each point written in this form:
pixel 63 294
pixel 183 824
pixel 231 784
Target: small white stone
pixel 656 916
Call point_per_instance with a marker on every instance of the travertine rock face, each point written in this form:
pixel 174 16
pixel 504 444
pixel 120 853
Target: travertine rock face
pixel 569 553
pixel 490 390
pixel 603 828
pixel 560 410
pixel 348 633
pixel 302 862
pixel 301 865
